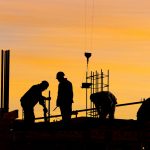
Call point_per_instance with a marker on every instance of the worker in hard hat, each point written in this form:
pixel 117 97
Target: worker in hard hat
pixel 31 98
pixel 64 97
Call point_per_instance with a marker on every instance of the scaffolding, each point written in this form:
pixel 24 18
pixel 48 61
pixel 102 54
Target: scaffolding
pixel 98 82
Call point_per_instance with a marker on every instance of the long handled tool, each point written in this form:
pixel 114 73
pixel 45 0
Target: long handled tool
pixel 49 106
pixel 47 118
pixel 45 114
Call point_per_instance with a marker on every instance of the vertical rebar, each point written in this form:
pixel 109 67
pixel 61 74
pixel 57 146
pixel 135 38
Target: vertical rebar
pixel 108 81
pixel 102 80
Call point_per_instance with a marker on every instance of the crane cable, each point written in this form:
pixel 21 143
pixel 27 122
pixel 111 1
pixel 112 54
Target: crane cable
pixel 89 24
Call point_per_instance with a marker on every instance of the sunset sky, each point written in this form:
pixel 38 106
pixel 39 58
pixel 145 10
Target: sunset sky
pixel 47 36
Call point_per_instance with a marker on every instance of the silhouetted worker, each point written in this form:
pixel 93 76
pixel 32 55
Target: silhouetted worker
pixel 65 97
pixel 105 103
pixel 143 113
pixel 31 98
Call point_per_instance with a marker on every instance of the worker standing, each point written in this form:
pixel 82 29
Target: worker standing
pixel 64 97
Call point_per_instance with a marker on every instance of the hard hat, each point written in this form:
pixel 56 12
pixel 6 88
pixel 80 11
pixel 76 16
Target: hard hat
pixel 60 74
pixel 45 83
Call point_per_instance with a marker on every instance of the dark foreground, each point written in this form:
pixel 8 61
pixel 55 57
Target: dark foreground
pixel 81 134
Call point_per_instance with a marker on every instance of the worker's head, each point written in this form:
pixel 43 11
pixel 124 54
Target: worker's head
pixel 60 75
pixel 44 85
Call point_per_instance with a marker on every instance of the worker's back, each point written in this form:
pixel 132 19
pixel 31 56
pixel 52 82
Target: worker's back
pixel 143 113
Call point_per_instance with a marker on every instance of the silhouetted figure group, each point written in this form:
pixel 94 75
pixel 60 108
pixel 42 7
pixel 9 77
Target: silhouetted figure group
pixel 143 113
pixel 105 103
pixel 34 95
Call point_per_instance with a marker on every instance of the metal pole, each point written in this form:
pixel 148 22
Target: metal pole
pixel 101 80
pixel 91 104
pixel 96 81
pixel 49 107
pixel 2 56
pixel 6 81
pixel 87 55
pixel 86 88
pixel 108 81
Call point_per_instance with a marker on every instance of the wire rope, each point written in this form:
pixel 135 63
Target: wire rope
pixel 88 24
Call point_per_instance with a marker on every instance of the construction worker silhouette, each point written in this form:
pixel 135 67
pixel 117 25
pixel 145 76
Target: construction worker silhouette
pixel 64 97
pixel 105 103
pixel 31 98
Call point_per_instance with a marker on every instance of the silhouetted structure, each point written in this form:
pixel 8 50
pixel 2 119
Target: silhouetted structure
pixel 5 56
pixel 31 98
pixel 143 113
pixel 83 133
pixel 105 103
pixel 65 97
pixel 87 55
pixel 96 82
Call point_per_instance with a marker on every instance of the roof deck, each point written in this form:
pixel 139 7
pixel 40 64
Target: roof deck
pixel 82 133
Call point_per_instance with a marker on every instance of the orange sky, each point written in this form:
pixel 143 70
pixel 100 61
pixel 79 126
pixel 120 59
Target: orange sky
pixel 47 36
